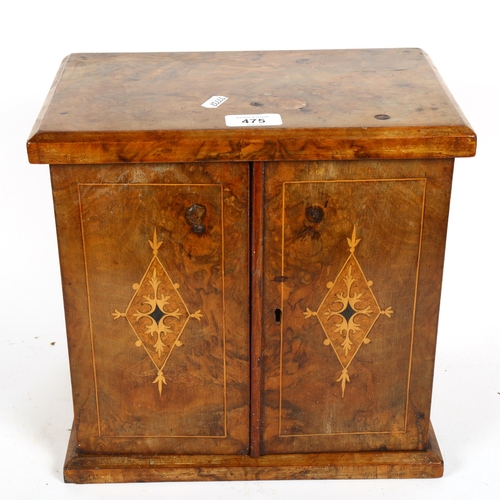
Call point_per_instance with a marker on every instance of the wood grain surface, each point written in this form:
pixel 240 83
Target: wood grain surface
pixel 320 392
pixel 192 396
pixel 334 104
pixel 374 465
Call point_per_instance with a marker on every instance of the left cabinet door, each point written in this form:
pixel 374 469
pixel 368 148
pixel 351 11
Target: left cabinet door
pixel 154 263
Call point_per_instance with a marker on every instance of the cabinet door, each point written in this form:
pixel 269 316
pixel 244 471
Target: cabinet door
pixel 154 263
pixel 353 265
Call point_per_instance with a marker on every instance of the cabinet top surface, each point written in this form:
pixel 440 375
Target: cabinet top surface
pixel 345 104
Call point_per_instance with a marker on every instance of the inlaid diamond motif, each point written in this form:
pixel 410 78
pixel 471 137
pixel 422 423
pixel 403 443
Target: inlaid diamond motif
pixel 158 314
pixel 348 311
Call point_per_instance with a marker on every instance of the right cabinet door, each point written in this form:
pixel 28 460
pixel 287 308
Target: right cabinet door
pixel 352 276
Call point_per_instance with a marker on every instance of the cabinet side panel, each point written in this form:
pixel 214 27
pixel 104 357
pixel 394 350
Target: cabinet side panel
pixel 166 298
pixel 354 255
pixel 76 305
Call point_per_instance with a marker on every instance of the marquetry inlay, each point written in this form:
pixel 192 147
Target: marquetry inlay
pixel 158 314
pixel 348 311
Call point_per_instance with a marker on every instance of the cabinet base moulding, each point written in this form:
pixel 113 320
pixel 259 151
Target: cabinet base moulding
pixel 87 468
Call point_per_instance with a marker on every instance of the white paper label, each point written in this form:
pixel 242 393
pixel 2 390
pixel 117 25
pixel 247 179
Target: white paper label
pixel 215 101
pixel 253 120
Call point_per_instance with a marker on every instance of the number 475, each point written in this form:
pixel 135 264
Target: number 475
pixel 254 120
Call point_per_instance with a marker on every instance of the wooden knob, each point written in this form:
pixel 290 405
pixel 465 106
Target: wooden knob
pixel 314 214
pixel 194 216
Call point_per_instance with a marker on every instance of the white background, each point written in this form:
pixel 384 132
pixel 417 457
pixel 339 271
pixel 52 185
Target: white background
pixel 35 400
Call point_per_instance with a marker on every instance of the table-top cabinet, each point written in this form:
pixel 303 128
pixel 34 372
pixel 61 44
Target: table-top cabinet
pixel 251 249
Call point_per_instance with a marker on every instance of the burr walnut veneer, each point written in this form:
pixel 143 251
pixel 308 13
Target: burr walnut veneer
pixel 251 250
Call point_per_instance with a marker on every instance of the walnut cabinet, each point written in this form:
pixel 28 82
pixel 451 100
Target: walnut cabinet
pixel 251 249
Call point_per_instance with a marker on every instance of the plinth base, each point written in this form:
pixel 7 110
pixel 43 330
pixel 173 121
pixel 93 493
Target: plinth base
pixel 80 468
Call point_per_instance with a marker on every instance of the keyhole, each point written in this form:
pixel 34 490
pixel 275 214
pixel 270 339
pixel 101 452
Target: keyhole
pixel 277 316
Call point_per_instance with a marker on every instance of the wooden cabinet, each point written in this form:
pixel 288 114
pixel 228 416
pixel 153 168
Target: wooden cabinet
pixel 251 251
